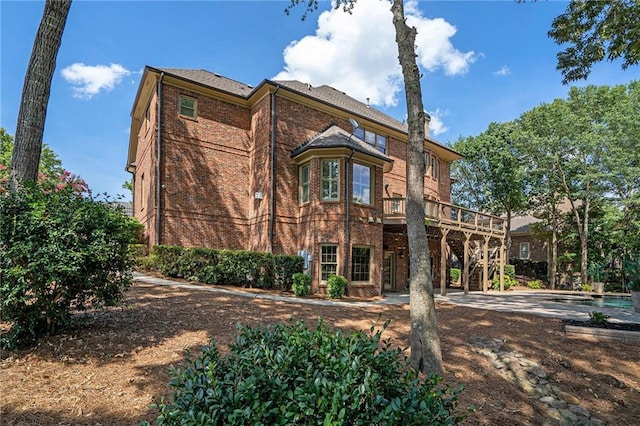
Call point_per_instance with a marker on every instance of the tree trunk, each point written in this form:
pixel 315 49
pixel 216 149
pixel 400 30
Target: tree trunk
pixel 35 93
pixel 508 234
pixel 553 264
pixel 424 340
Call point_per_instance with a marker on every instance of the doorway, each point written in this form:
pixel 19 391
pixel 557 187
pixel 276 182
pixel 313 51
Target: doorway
pixel 389 270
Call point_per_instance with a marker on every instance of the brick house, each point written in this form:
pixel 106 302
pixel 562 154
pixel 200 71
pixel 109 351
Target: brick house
pixel 287 168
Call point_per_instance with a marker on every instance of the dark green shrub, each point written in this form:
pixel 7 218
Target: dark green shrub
pixel 510 271
pixel 454 273
pixel 59 253
pixel 284 268
pixel 290 374
pixel 598 318
pixel 301 284
pixel 508 282
pixel 336 285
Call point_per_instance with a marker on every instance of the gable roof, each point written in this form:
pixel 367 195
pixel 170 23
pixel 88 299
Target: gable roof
pixel 336 137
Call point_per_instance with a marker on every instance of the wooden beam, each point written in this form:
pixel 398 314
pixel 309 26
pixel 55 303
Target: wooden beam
pixel 443 262
pixel 485 266
pixel 502 254
pixel 465 272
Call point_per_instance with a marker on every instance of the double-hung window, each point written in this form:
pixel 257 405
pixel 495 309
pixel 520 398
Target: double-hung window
pixel 330 180
pixel 360 264
pixel 305 180
pixel 361 184
pixel 328 261
pixel 524 251
pixel 188 106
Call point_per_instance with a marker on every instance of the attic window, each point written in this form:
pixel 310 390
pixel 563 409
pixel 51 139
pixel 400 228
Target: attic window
pixel 188 106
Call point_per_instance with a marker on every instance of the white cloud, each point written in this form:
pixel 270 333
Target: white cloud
pixel 436 125
pixel 504 71
pixel 89 80
pixel 357 52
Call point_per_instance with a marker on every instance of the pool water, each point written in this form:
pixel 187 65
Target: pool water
pixel 619 302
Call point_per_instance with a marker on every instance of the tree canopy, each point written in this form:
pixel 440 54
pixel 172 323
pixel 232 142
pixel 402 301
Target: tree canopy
pixel 594 31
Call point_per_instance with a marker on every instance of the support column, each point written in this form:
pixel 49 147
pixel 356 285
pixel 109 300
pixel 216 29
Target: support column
pixel 443 261
pixel 485 266
pixel 465 271
pixel 502 254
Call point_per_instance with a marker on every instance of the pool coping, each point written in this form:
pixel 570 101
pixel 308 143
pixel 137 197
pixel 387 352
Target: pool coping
pixel 602 334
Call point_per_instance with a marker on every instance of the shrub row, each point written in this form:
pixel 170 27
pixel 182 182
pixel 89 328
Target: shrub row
pixel 230 267
pixel 294 375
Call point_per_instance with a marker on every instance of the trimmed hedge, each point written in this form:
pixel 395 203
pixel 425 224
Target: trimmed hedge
pixel 293 375
pixel 230 267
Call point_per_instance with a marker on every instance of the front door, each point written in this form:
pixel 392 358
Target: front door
pixel 389 270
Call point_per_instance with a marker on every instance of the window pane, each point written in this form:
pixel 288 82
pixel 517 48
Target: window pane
pixel 359 133
pixel 370 137
pixel 328 261
pixel 361 184
pixel 187 106
pixel 381 144
pixel 360 263
pixel 329 185
pixel 304 183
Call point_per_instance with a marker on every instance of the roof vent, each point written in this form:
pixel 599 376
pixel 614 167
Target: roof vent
pixel 368 106
pixel 309 86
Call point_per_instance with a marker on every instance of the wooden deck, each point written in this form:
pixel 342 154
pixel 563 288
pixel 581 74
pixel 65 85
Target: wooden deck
pixel 458 227
pixel 447 216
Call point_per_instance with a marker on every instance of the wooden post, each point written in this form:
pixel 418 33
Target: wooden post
pixel 465 272
pixel 443 261
pixel 502 254
pixel 485 266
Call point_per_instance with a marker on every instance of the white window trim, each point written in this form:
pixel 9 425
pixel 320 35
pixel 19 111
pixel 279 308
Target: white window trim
pixel 195 107
pixel 322 179
pixel 321 263
pixel 371 184
pixel 308 183
pixel 528 245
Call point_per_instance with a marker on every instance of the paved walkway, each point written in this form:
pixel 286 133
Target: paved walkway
pixel 529 302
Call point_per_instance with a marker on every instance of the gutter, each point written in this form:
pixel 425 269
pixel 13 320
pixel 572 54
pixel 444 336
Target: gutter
pixel 159 169
pixel 272 191
pixel 347 222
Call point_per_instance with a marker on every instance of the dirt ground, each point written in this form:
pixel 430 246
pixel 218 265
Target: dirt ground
pixel 109 371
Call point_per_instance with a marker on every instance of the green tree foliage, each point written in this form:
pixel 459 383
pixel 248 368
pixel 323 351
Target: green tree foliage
pixel 594 31
pixel 60 252
pixel 492 175
pixel 292 375
pixel 50 164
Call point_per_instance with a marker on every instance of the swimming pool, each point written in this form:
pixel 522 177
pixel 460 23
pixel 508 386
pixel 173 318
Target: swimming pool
pixel 619 302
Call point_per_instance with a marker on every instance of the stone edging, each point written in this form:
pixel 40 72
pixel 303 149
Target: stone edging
pixel 594 334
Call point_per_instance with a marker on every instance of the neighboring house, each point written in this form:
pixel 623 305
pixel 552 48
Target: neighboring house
pixel 524 245
pixel 288 168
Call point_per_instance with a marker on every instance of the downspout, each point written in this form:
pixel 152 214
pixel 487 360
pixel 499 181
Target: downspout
pixel 272 191
pixel 347 222
pixel 158 171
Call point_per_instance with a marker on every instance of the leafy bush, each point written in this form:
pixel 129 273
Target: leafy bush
pixel 230 267
pixel 535 284
pixel 59 252
pixel 454 273
pixel 290 374
pixel 284 268
pixel 598 318
pixel 508 282
pixel 336 285
pixel 510 271
pixel 586 287
pixel 301 284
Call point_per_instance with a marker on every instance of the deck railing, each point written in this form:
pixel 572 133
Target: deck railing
pixel 449 215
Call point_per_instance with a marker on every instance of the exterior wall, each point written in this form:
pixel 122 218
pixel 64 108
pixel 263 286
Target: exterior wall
pixel 144 186
pixel 216 185
pixel 205 164
pixel 538 249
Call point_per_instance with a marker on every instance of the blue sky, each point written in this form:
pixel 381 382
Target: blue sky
pixel 482 61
